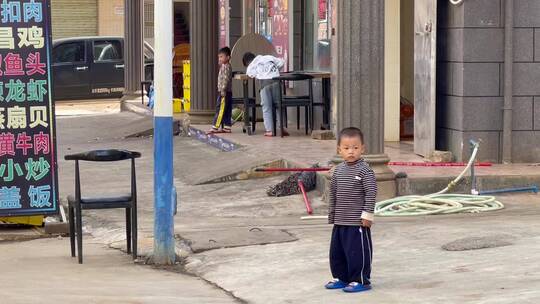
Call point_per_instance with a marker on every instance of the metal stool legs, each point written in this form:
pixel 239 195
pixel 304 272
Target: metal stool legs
pixel 75 232
pixel 131 232
pixel 78 224
pixel 134 233
pixel 128 230
pixel 71 230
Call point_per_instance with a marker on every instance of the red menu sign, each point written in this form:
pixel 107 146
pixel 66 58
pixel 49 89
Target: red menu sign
pixel 223 23
pixel 280 29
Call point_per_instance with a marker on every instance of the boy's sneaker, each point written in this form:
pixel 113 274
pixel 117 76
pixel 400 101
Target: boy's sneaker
pixel 335 284
pixel 356 287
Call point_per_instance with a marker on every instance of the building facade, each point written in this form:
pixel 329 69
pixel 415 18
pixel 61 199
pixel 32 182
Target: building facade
pixel 471 84
pixel 459 80
pixel 71 18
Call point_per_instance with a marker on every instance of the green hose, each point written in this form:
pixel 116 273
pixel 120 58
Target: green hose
pixel 440 202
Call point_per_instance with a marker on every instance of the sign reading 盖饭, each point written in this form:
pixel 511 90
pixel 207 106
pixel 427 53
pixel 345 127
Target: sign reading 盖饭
pixel 28 175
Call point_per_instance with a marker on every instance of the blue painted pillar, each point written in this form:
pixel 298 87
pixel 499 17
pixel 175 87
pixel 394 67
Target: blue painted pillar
pixel 164 243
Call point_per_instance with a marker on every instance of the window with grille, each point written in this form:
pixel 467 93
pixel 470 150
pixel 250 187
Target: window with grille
pixel 148 20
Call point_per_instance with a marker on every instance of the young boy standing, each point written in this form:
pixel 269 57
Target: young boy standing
pixel 222 118
pixel 352 204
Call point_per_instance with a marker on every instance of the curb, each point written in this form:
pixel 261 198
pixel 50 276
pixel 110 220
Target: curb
pixel 212 140
pixel 428 185
pixel 114 237
pixel 30 234
pixel 137 108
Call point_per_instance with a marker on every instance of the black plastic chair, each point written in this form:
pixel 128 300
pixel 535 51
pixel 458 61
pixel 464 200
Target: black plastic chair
pixel 324 105
pixel 77 203
pixel 297 101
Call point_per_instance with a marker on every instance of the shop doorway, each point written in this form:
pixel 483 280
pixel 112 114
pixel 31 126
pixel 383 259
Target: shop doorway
pixel 410 61
pixel 181 47
pixel 406 93
pixel 425 61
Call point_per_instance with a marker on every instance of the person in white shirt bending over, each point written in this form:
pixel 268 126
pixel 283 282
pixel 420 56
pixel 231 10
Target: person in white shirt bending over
pixel 264 68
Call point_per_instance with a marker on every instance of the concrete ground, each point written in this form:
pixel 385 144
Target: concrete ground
pixel 40 271
pixel 409 264
pixel 259 250
pixel 87 107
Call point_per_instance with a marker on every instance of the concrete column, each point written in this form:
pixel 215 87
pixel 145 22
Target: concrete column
pixel 133 48
pixel 204 61
pixel 360 81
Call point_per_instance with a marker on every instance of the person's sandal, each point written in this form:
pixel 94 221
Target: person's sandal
pixel 335 284
pixel 213 131
pixel 356 287
pixel 268 134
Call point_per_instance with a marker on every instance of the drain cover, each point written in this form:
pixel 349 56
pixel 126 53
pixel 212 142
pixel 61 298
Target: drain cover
pixel 235 237
pixel 474 243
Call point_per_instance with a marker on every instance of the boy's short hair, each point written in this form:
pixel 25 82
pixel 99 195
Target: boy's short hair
pixel 225 51
pixel 350 132
pixel 248 58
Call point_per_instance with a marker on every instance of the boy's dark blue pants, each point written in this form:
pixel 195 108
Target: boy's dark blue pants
pixel 351 252
pixel 223 115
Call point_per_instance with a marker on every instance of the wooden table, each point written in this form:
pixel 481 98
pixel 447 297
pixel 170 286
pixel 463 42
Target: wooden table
pixel 315 74
pixel 241 76
pixel 326 94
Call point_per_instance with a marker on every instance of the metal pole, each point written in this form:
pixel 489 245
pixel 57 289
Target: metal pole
pixel 532 188
pixel 508 80
pixel 474 191
pixel 164 244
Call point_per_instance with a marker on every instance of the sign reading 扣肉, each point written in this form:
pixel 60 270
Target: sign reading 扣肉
pixel 28 176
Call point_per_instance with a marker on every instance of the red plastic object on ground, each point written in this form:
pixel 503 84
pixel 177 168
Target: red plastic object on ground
pixel 306 199
pixel 422 164
pixel 405 164
pixel 291 169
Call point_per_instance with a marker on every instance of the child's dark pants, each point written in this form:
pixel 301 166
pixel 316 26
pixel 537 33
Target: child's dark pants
pixel 222 118
pixel 351 252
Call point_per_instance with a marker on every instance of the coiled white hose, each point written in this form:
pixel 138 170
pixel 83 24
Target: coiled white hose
pixel 440 202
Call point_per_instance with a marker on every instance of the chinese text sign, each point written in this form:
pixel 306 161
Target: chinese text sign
pixel 28 175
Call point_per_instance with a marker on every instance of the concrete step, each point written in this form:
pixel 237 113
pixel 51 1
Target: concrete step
pixel 144 126
pixel 427 185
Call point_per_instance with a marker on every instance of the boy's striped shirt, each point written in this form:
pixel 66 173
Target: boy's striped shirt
pixel 352 194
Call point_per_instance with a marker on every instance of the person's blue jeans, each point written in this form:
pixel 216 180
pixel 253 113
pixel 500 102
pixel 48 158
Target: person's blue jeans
pixel 269 96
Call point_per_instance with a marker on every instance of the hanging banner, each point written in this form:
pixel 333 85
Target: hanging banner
pixel 223 23
pixel 323 11
pixel 28 172
pixel 279 10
